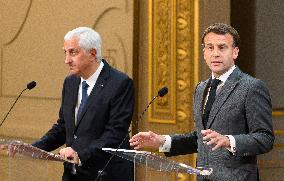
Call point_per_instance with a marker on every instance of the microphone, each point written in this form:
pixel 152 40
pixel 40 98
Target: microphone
pixel 30 86
pixel 161 93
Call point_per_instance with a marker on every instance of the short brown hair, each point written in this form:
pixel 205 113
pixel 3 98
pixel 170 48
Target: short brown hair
pixel 222 29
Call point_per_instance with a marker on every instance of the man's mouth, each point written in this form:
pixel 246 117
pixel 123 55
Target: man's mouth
pixel 216 62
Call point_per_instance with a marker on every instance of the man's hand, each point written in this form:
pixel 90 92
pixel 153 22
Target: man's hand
pixel 148 139
pixel 11 149
pixel 216 140
pixel 3 147
pixel 70 154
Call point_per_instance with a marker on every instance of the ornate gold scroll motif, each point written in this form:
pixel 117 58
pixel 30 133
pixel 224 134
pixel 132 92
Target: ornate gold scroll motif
pixel 171 60
pixel 162 62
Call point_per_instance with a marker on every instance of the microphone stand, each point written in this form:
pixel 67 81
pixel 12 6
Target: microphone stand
pixel 12 106
pixel 161 93
pixel 30 86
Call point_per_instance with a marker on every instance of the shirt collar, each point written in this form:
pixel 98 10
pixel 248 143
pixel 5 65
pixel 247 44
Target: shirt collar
pixel 225 75
pixel 91 81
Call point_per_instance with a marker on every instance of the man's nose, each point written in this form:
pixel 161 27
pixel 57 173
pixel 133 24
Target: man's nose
pixel 215 52
pixel 67 59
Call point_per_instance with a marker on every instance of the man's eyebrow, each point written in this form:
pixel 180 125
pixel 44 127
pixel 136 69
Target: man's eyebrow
pixel 69 49
pixel 222 44
pixel 208 43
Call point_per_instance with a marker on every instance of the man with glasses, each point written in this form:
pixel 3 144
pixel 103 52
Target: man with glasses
pixel 232 114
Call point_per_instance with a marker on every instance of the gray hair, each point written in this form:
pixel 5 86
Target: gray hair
pixel 88 39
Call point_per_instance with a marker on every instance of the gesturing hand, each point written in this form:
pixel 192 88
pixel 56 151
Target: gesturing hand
pixel 148 139
pixel 216 140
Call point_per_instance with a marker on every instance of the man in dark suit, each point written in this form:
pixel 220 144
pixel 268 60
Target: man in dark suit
pixel 96 111
pixel 232 115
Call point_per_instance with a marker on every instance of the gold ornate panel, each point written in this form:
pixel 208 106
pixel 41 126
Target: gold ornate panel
pixel 173 58
pixel 278 113
pixel 173 43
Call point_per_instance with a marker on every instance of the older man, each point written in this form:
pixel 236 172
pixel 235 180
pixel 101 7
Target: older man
pixel 96 111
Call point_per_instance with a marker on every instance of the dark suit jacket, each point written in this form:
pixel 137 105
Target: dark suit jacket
pixel 104 122
pixel 242 108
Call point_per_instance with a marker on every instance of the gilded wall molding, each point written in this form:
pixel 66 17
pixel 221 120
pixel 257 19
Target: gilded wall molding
pixel 278 113
pixel 173 43
pixel 173 40
pixel 162 60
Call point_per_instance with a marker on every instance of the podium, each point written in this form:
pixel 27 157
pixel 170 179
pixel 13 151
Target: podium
pixel 157 162
pixel 30 151
pixel 28 163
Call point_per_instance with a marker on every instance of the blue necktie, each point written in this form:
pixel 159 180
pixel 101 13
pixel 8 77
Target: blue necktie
pixel 84 98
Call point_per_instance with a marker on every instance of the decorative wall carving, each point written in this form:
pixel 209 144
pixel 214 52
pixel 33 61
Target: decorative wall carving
pixel 172 60
pixel 162 59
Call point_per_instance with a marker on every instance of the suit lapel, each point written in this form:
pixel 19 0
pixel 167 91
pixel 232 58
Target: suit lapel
pixel 223 95
pixel 98 87
pixel 72 90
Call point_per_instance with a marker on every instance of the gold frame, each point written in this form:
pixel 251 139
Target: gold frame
pixel 170 98
pixel 163 67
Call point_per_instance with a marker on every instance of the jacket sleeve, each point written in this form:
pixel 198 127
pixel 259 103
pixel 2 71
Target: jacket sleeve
pixel 259 138
pixel 56 136
pixel 183 144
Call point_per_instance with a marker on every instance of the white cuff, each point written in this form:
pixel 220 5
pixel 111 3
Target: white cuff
pixel 166 147
pixel 232 144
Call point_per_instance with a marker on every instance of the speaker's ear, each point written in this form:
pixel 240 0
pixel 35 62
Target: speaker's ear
pixel 236 53
pixel 93 52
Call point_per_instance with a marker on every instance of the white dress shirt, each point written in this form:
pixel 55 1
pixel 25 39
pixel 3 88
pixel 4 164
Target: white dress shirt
pixel 91 81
